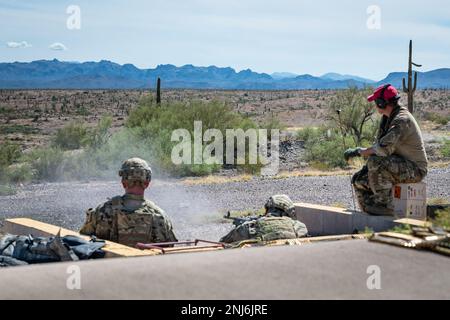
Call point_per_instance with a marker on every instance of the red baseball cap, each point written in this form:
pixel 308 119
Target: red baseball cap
pixel 389 93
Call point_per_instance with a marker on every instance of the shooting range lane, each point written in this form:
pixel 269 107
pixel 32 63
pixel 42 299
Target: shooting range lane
pixel 330 270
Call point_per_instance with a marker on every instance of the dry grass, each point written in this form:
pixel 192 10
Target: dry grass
pixel 312 173
pixel 439 164
pixel 437 201
pixel 211 179
pixel 339 205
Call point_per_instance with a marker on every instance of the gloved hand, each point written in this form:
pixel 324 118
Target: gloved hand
pixel 351 153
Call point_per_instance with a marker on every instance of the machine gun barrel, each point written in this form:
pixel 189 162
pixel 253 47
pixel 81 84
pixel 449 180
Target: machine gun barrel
pixel 237 221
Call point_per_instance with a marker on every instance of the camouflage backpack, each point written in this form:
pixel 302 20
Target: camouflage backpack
pixel 20 250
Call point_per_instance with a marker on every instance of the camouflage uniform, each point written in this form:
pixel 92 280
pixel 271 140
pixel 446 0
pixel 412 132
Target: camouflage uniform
pixel 399 158
pixel 278 223
pixel 130 219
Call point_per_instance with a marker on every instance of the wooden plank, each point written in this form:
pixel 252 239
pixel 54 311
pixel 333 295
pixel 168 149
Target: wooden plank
pixel 413 222
pixel 40 229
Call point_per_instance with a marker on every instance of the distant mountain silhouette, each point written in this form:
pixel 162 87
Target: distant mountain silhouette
pixel 283 75
pixel 55 74
pixel 439 78
pixel 337 76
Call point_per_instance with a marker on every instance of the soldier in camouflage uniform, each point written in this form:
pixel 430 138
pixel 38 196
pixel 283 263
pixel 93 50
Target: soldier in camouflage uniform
pixel 398 155
pixel 276 224
pixel 130 218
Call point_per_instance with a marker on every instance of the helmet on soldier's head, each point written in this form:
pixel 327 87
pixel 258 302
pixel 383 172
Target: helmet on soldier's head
pixel 135 169
pixel 280 205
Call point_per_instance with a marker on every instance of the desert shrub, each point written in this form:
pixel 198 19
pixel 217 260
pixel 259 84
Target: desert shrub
pixel 17 128
pixel 7 190
pixel 78 152
pixel 353 125
pixel 98 137
pixel 5 110
pixel 351 113
pixel 9 153
pixel 45 163
pixel 442 218
pixel 82 111
pixel 11 171
pixel 436 118
pixel 153 124
pixel 71 137
pixel 325 148
pixel 18 173
pixel 445 148
pixel 402 228
pixel 309 133
pixel 272 122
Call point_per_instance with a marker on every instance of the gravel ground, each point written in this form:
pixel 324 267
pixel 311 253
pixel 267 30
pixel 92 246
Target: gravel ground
pixel 195 210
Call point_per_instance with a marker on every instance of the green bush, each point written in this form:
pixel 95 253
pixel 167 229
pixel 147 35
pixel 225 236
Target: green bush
pixel 99 136
pixel 19 173
pixel 354 125
pixel 356 115
pixel 9 153
pixel 325 148
pixel 7 190
pixel 153 124
pixel 10 170
pixel 45 163
pixel 445 148
pixel 71 137
pixel 437 118
pixel 17 128
pixel 5 110
pixel 442 218
pixel 78 152
pixel 309 134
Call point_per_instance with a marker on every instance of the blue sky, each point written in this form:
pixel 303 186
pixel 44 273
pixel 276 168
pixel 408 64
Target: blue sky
pixel 297 36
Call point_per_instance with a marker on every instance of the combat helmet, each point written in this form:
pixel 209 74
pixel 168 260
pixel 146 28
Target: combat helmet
pixel 280 205
pixel 135 169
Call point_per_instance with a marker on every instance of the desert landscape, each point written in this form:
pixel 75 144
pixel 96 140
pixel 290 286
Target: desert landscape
pixel 31 117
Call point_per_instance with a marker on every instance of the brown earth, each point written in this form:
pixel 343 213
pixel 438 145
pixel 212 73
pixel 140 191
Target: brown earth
pixel 31 117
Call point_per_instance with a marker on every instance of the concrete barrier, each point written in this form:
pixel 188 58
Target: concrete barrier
pixel 324 220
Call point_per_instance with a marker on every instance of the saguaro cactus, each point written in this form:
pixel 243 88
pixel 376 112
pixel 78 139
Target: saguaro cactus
pixel 411 88
pixel 158 91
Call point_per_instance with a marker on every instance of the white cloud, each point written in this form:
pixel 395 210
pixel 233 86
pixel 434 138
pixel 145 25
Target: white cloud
pixel 14 45
pixel 58 46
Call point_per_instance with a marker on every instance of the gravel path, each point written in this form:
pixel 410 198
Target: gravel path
pixel 195 210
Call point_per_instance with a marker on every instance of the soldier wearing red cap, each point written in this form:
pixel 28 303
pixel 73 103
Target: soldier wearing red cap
pixel 397 156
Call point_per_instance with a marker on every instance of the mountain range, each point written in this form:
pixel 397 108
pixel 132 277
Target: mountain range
pixel 55 74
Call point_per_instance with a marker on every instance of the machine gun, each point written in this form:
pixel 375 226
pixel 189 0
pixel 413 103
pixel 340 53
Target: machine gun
pixel 237 221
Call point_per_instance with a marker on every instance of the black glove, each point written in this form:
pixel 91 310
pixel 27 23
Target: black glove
pixel 351 153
